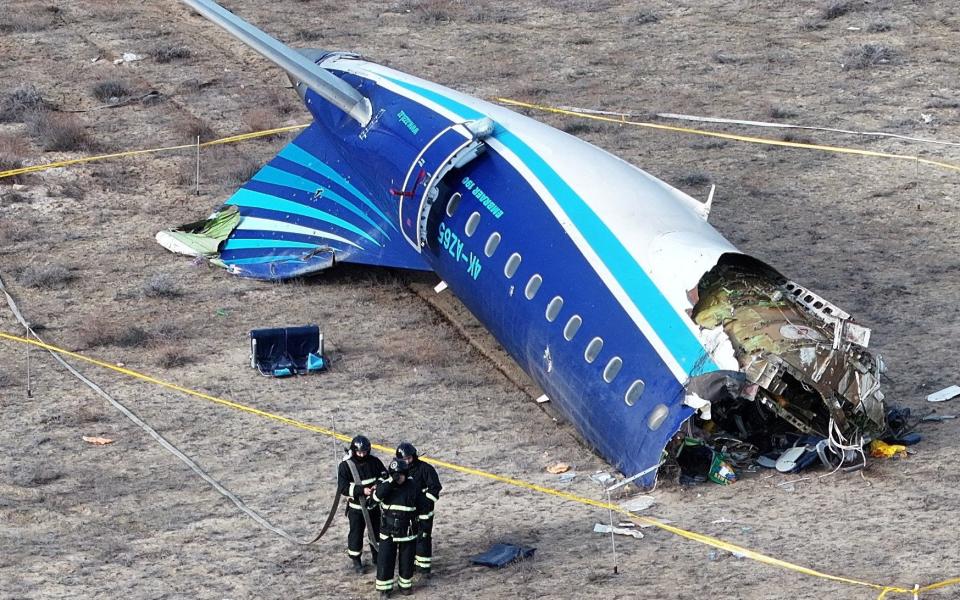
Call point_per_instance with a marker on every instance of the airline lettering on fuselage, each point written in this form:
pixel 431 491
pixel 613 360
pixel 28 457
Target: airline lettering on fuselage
pixel 452 243
pixel 482 196
pixel 406 120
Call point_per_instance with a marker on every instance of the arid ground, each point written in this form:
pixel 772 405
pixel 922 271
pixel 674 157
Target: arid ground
pixel 126 520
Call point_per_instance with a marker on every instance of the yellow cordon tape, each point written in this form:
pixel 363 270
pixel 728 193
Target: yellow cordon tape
pixel 76 161
pixel 623 120
pixel 690 535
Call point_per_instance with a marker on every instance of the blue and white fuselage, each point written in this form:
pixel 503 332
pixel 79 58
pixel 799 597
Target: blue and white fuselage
pixel 584 267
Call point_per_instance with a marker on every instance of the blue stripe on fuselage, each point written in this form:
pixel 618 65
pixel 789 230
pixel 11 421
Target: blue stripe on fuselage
pixel 679 340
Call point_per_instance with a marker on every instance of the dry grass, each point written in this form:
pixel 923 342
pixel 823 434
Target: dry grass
pixel 58 132
pixel 170 52
pixel 175 357
pixel 46 276
pixel 868 55
pixel 20 103
pixel 693 179
pixel 644 17
pixel 101 332
pixel 111 91
pixel 161 285
pixel 23 21
pixel 260 119
pixel 191 127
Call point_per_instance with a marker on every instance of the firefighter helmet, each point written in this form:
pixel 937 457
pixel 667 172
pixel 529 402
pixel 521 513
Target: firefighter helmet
pixel 406 450
pixel 360 444
pixel 398 467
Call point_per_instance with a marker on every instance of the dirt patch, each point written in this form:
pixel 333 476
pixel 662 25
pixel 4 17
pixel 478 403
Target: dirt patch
pixel 876 237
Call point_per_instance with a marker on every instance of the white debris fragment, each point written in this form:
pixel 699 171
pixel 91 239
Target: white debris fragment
pixel 440 287
pixel 638 504
pixel 945 394
pixel 127 57
pixel 601 528
pixel 543 399
pixel 602 478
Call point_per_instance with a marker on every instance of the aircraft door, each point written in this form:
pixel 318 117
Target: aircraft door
pixel 452 148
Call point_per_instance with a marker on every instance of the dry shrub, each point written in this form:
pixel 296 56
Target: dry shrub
pixel 111 91
pixel 175 357
pixel 58 132
pixel 20 103
pixel 191 127
pixel 835 9
pixel 101 332
pixel 694 178
pixel 644 17
pixel 260 119
pixel 24 21
pixel 46 276
pixel 811 23
pixel 170 52
pixel 868 55
pixel 9 163
pixel 161 285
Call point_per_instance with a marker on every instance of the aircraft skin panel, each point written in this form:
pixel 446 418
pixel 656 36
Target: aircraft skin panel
pixel 301 213
pixel 652 309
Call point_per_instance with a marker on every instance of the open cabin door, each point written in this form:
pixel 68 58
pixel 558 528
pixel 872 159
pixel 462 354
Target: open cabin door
pixel 452 148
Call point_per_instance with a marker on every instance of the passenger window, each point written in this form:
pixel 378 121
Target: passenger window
pixel 492 242
pixel 634 392
pixel 593 349
pixel 572 327
pixel 472 223
pixel 533 286
pixel 453 203
pixel 657 416
pixel 613 369
pixel 513 263
pixel 553 309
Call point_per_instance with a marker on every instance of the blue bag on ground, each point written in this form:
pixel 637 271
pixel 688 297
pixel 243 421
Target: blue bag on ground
pixel 502 554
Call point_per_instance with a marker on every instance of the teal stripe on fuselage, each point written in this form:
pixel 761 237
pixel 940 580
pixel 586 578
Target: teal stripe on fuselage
pixel 662 317
pixel 262 259
pixel 277 176
pixel 245 197
pixel 246 244
pixel 296 154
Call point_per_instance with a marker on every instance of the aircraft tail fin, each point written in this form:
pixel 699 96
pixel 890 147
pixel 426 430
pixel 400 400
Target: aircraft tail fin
pixel 302 212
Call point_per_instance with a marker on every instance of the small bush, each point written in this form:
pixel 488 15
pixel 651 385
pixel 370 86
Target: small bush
pixel 193 127
pixel 58 132
pixel 161 286
pixel 308 35
pixel 111 91
pixel 20 103
pixel 46 276
pixel 694 178
pixel 8 163
pixel 868 55
pixel 24 22
pixel 260 119
pixel 170 359
pixel 131 336
pixel 878 26
pixel 779 112
pixel 170 53
pixel 811 23
pixel 797 138
pixel 835 9
pixel 643 17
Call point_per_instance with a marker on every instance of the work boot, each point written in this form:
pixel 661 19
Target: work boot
pixel 425 572
pixel 358 566
pixel 384 595
pixel 406 591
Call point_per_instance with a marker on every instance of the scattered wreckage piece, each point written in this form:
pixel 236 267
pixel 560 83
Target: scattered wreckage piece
pixel 945 394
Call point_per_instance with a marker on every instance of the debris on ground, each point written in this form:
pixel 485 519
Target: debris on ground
pixel 558 468
pixel 881 449
pixel 500 555
pixel 567 477
pixel 602 528
pixel 96 440
pixel 945 394
pixel 640 503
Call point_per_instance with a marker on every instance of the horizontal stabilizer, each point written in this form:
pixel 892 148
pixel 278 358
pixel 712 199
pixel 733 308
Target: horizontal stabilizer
pixel 302 212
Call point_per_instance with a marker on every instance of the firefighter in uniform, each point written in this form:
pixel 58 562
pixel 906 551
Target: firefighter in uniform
pixel 401 502
pixel 370 470
pixel 429 483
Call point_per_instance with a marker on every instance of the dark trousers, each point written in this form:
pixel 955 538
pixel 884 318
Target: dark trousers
pixel 390 552
pixel 358 530
pixel 424 553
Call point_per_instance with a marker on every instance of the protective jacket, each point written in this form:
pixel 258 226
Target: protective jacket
pixel 400 505
pixel 428 481
pixel 370 470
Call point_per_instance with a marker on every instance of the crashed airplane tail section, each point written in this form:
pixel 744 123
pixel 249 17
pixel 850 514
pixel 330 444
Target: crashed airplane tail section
pixel 805 362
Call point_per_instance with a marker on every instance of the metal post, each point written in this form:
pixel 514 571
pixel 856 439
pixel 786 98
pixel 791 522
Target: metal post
pixel 198 165
pixel 613 542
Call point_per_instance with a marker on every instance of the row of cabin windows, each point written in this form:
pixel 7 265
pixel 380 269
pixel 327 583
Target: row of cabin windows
pixel 610 372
